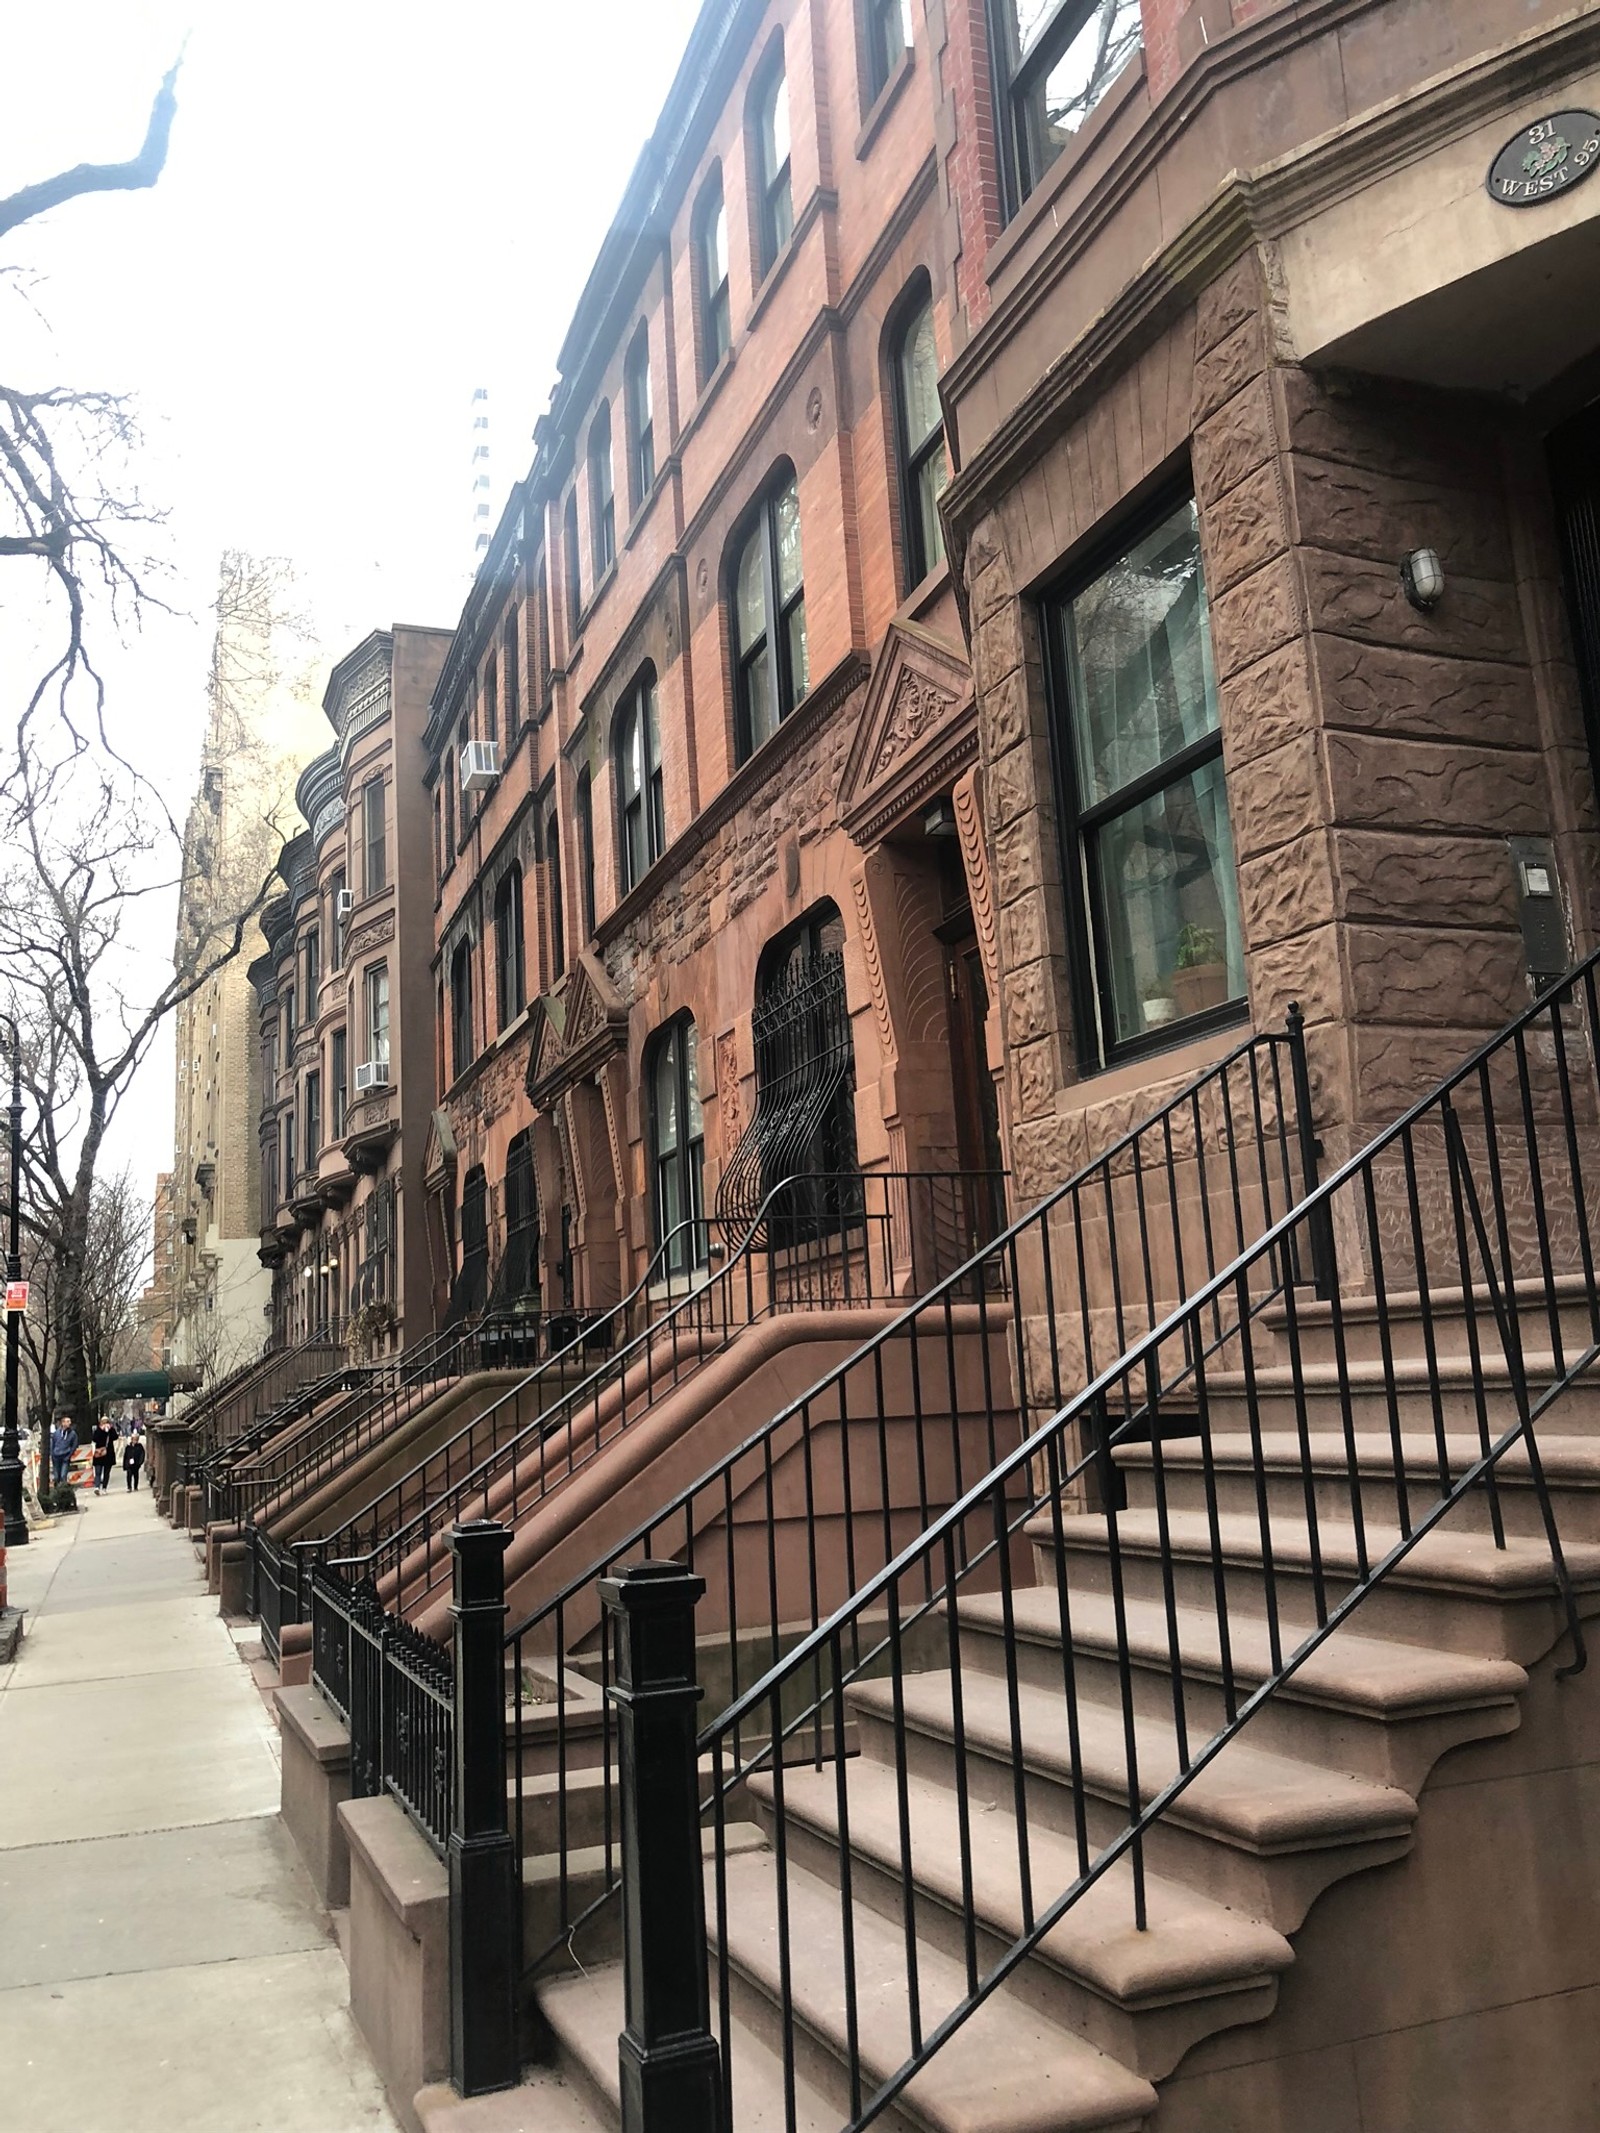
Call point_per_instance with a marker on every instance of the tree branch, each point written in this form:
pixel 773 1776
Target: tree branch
pixel 136 176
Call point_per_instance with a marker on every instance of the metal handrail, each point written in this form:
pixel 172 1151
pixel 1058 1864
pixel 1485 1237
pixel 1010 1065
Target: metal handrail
pixel 1124 1235
pixel 1494 1100
pixel 687 1319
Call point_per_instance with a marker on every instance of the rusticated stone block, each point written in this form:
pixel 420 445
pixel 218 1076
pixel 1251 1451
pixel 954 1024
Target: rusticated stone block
pixel 1256 617
pixel 1016 860
pixel 1036 1079
pixel 1004 712
pixel 1228 367
pixel 1426 881
pixel 1271 702
pixel 1239 437
pixel 1304 969
pixel 1384 516
pixel 1385 689
pixel 1477 618
pixel 1275 798
pixel 1393 1067
pixel 1040 1156
pixel 1234 296
pixel 1394 433
pixel 1400 976
pixel 1415 785
pixel 1243 529
pixel 997 647
pixel 1008 786
pixel 1028 1003
pixel 1022 934
pixel 1287 892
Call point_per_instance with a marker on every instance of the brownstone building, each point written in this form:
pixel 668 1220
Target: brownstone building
pixel 705 735
pixel 345 1014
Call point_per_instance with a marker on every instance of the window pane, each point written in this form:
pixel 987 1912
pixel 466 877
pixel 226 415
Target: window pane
pixel 758 699
pixel 717 245
pixel 691 1075
pixel 932 476
pixel 919 380
pixel 1168 905
pixel 1139 659
pixel 666 1096
pixel 775 129
pixel 750 595
pixel 786 512
pixel 799 659
pixel 1070 85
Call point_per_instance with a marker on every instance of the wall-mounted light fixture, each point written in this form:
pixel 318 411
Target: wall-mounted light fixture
pixel 1422 576
pixel 940 820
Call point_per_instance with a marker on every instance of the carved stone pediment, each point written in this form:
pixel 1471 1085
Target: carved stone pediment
pixel 439 1155
pixel 577 1031
pixel 918 731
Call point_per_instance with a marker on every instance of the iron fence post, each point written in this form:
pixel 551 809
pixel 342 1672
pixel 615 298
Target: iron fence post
pixel 485 1928
pixel 1320 1223
pixel 671 2073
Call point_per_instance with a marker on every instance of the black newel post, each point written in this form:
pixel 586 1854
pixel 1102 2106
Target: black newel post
pixel 671 2073
pixel 1320 1223
pixel 16 1524
pixel 485 1931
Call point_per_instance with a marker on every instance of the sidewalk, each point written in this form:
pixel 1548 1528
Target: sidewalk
pixel 164 1966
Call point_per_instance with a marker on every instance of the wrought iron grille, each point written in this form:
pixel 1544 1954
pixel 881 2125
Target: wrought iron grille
pixel 804 1122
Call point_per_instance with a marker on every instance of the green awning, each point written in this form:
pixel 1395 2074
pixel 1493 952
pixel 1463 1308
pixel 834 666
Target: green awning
pixel 133 1385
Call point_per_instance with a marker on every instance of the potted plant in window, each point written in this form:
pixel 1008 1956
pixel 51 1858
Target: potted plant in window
pixel 1199 971
pixel 1158 1004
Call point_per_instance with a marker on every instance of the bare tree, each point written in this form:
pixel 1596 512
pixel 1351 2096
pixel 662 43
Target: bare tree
pixel 59 512
pixel 88 861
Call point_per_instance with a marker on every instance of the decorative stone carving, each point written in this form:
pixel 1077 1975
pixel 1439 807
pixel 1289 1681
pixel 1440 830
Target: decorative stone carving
pixel 917 705
pixel 873 958
pixel 372 934
pixel 729 1093
pixel 814 409
pixel 917 730
pixel 980 890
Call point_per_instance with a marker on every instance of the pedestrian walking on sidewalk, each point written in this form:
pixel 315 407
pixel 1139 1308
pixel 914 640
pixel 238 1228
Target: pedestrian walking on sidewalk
pixel 63 1443
pixel 133 1457
pixel 105 1454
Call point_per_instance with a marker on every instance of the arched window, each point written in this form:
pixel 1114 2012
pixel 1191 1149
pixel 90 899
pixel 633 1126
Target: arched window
pixel 462 1050
pixel 677 1146
pixel 583 808
pixel 888 32
pixel 602 494
pixel 770 128
pixel 511 991
pixel 516 1285
pixel 552 883
pixel 569 569
pixel 769 616
pixel 641 421
pixel 469 1292
pixel 711 275
pixel 919 432
pixel 803 1127
pixel 641 804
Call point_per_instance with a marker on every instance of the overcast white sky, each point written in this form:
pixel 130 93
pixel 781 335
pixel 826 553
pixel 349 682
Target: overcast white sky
pixel 368 211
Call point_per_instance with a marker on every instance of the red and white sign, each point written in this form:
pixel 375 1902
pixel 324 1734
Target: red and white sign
pixel 16 1296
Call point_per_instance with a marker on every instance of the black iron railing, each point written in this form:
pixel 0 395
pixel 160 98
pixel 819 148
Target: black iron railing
pixel 265 1386
pixel 900 1230
pixel 1460 1247
pixel 838 1483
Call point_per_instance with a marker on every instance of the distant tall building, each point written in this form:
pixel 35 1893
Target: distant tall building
pixel 264 723
pixel 153 1314
pixel 482 524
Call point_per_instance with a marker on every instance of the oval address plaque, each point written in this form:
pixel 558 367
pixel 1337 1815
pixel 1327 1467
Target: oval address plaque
pixel 1548 157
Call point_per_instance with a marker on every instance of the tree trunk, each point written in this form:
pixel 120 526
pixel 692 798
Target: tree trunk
pixel 72 1370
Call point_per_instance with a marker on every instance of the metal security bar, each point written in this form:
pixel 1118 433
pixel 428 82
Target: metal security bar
pixel 803 1127
pixel 1126 1649
pixel 837 1484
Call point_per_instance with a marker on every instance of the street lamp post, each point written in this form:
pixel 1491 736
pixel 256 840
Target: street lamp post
pixel 16 1524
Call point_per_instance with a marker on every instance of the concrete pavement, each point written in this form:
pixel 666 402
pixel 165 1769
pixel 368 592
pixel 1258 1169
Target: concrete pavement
pixel 164 1965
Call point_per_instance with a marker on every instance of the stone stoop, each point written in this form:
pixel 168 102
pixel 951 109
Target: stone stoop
pixel 397 1948
pixel 1368 1757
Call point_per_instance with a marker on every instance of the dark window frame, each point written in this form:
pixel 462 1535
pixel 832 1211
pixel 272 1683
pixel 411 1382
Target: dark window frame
pixel 312 1102
pixel 511 664
pixel 338 883
pixel 583 809
pixel 338 1082
pixel 374 839
pixel 571 569
pixel 462 1041
pixel 1016 76
pixel 774 188
pixel 912 455
pixel 602 493
pixel 377 1039
pixel 687 1156
pixel 641 807
pixel 714 299
pixel 883 55
pixel 639 409
pixel 1089 961
pixel 510 964
pixel 557 915
pixel 773 648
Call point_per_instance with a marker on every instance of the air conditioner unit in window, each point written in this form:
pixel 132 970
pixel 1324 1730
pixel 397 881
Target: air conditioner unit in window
pixel 343 904
pixel 480 765
pixel 372 1074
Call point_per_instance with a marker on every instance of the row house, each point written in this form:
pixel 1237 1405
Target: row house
pixel 713 905
pixel 345 1015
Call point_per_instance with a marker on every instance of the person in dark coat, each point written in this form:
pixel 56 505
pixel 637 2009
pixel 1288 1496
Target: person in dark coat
pixel 63 1443
pixel 105 1454
pixel 133 1457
